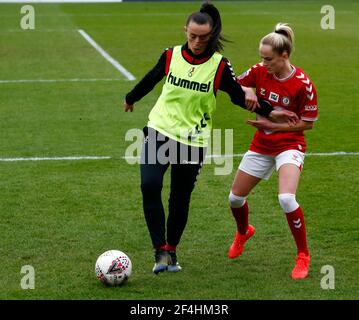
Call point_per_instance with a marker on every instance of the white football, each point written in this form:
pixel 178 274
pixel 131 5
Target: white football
pixel 113 267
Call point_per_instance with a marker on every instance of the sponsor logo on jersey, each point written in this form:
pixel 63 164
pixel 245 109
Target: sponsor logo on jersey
pixel 186 84
pixel 273 97
pixel 311 108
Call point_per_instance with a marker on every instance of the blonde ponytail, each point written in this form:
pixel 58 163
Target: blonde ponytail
pixel 281 39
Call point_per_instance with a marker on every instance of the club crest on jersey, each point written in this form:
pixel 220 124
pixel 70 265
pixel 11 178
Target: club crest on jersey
pixel 263 92
pixel 190 72
pixel 273 97
pixel 285 101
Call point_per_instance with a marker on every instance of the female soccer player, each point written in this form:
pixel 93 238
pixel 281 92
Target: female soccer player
pixel 276 145
pixel 179 125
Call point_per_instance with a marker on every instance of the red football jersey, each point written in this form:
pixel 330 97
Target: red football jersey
pixel 295 93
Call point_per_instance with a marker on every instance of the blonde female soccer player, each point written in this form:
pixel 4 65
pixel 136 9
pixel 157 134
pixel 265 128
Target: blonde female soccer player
pixel 276 145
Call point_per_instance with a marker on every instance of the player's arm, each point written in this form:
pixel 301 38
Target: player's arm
pixel 239 95
pixel 147 83
pixel 251 99
pixel 229 84
pixel 308 113
pixel 266 124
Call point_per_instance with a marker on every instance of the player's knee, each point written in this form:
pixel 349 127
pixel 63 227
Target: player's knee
pixel 236 201
pixel 288 202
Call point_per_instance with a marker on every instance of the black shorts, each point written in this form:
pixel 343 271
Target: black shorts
pixel 160 149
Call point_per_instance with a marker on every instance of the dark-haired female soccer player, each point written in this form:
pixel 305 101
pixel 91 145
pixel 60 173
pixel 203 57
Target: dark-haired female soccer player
pixel 276 145
pixel 180 123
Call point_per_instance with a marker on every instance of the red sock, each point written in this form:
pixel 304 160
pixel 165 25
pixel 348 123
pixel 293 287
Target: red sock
pixel 241 217
pixel 170 248
pixel 296 224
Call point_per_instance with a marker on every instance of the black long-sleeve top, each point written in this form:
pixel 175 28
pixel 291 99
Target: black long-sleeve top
pixel 225 79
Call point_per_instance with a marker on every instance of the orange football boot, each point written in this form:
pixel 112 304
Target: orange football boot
pixel 300 270
pixel 237 246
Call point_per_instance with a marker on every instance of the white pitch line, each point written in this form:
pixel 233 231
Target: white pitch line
pixel 330 154
pixel 54 158
pixel 56 80
pixel 238 155
pixel 316 154
pixel 115 63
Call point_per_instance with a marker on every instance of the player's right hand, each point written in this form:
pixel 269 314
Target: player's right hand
pixel 251 99
pixel 284 116
pixel 128 107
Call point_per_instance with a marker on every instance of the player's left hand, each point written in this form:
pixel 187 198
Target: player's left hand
pixel 284 116
pixel 128 107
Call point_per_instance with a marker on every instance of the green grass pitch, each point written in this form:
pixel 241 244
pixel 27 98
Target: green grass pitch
pixel 58 216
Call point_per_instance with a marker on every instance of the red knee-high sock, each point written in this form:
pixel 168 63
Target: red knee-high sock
pixel 297 226
pixel 241 217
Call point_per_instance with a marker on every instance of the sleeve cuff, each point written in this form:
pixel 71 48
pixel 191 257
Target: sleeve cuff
pixel 265 109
